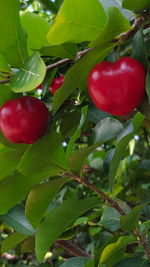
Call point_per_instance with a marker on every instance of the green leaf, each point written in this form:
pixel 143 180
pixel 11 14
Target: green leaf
pixel 40 198
pixel 4 65
pixel 6 142
pixel 30 75
pixel 6 94
pixel 12 241
pixel 81 23
pixel 123 140
pixel 36 38
pixel 136 4
pixel 16 219
pixel 132 262
pixel 64 51
pixel 83 66
pixel 28 245
pixel 116 24
pixel 76 135
pixel 106 130
pixel 43 156
pixel 96 115
pixel 148 85
pixel 70 123
pixel 139 49
pixel 57 220
pixel 114 251
pixel 13 45
pixel 130 221
pixel 76 261
pixel 15 187
pixel 128 14
pixel 110 219
pixel 9 160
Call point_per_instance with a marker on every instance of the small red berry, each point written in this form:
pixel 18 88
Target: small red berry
pixel 56 83
pixel 24 120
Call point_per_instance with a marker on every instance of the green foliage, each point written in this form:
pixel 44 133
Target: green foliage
pixel 111 30
pixel 135 4
pixel 57 220
pixel 36 38
pixel 130 221
pixel 42 196
pixel 16 219
pixel 13 45
pixel 78 24
pixel 30 75
pixel 12 241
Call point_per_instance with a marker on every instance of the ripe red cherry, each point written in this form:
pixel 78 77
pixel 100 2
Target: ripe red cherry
pixel 117 88
pixel 56 83
pixel 24 120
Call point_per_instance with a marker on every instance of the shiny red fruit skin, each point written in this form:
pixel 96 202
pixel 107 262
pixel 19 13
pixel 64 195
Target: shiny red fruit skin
pixel 117 88
pixel 24 120
pixel 56 83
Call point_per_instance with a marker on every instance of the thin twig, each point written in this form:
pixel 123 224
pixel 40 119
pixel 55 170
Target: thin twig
pixel 4 81
pixel 71 248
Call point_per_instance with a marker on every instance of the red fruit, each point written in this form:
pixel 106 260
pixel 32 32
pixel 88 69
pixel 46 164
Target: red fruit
pixel 117 88
pixel 24 120
pixel 56 83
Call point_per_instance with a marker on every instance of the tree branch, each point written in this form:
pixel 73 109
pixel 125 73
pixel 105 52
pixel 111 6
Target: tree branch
pixel 142 238
pixel 72 248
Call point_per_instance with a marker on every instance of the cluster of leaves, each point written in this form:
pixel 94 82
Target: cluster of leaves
pixel 40 203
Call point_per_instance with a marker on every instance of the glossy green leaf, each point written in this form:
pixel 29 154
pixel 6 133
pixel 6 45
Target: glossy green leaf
pixel 96 115
pixel 15 187
pixel 36 38
pixel 110 219
pixel 57 220
pixel 136 4
pixel 4 65
pixel 76 135
pixel 40 198
pixel 76 261
pixel 6 94
pixel 81 23
pixel 30 75
pixel 9 160
pixel 106 130
pixel 64 51
pixel 12 241
pixel 16 219
pixel 148 84
pixel 43 156
pixel 130 221
pixel 116 24
pixel 114 251
pixel 123 140
pixel 72 78
pixel 13 45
